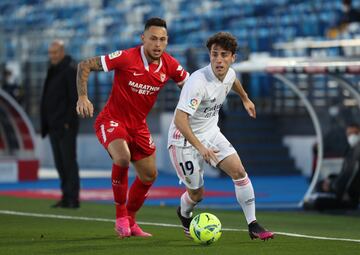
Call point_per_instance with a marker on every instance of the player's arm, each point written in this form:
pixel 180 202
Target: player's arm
pixel 248 104
pixel 181 122
pixel 178 73
pixel 84 107
pixel 181 84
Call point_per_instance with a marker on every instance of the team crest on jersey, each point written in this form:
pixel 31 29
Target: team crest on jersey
pixel 194 103
pixel 162 77
pixel 110 130
pixel 115 54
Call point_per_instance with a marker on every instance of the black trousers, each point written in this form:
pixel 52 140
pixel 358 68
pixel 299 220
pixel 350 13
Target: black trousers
pixel 63 144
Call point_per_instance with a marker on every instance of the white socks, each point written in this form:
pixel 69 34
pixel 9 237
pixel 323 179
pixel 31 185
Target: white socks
pixel 187 205
pixel 245 196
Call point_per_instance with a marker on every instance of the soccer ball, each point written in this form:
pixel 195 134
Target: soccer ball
pixel 205 228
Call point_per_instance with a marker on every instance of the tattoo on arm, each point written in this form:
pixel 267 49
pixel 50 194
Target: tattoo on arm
pixel 83 72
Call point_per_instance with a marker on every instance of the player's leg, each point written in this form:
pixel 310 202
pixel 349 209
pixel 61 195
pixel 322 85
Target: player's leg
pixel 55 146
pixel 146 174
pixel 244 190
pixel 233 167
pixel 189 199
pixel 231 164
pixel 113 136
pixel 143 156
pixel 120 154
pixel 189 167
pixel 71 168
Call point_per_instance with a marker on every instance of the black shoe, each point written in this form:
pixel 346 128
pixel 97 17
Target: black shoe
pixel 58 204
pixel 257 231
pixel 71 205
pixel 185 222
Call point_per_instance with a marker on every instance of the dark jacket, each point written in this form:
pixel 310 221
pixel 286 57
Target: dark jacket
pixel 348 181
pixel 344 187
pixel 353 15
pixel 58 104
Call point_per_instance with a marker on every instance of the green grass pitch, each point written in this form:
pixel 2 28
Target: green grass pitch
pixel 27 235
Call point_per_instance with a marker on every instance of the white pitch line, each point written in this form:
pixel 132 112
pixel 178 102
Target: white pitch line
pixel 66 217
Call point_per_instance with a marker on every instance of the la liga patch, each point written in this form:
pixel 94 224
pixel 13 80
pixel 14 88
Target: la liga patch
pixel 115 54
pixel 194 103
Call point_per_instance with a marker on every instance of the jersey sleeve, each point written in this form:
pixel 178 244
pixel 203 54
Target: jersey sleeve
pixel 177 72
pixel 233 74
pixel 116 60
pixel 191 95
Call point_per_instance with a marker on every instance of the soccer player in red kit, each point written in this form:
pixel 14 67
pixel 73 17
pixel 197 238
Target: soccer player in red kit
pixel 140 73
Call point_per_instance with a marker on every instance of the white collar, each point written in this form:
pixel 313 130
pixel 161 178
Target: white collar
pixel 146 64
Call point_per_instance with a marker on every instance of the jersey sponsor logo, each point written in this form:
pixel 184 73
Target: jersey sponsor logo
pixel 137 74
pixel 115 54
pixel 212 111
pixel 216 107
pixel 194 103
pixel 143 89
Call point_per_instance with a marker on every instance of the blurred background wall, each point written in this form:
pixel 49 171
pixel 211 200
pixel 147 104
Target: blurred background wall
pixel 280 141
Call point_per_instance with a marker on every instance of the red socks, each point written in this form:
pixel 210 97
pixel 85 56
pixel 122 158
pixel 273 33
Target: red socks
pixel 119 178
pixel 137 195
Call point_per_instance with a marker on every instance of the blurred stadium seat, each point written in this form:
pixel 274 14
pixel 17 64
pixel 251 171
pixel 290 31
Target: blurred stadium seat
pixel 101 26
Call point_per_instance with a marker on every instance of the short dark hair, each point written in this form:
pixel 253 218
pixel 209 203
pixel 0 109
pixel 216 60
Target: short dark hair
pixel 225 40
pixel 155 21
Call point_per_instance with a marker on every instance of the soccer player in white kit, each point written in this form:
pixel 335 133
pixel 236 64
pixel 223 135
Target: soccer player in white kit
pixel 195 138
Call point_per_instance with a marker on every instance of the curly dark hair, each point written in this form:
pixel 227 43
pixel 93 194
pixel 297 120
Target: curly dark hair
pixel 223 39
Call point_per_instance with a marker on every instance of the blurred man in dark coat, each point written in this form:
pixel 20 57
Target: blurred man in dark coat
pixel 60 121
pixel 341 191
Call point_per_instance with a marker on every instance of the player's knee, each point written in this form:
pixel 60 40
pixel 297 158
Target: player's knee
pixel 238 174
pixel 122 161
pixel 149 177
pixel 196 195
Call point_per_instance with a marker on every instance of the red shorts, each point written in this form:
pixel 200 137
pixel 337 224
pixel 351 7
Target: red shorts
pixel 139 140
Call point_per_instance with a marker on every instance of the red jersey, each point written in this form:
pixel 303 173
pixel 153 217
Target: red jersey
pixel 137 83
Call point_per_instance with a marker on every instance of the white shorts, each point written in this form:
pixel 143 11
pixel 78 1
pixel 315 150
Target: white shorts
pixel 189 164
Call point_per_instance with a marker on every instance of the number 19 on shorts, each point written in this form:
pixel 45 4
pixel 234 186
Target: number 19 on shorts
pixel 187 167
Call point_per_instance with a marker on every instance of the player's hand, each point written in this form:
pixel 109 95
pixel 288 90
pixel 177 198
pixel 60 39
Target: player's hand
pixel 250 108
pixel 84 107
pixel 209 155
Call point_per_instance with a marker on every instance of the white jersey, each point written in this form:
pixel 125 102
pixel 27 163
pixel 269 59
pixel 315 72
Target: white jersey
pixel 201 97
